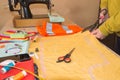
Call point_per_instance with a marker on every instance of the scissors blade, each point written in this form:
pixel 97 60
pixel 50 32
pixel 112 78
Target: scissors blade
pixel 71 51
pixel 87 28
pixel 91 27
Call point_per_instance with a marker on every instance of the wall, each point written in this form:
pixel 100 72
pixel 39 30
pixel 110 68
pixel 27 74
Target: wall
pixel 82 12
pixel 4 12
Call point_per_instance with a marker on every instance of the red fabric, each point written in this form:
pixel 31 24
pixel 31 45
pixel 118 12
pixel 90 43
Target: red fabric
pixel 28 65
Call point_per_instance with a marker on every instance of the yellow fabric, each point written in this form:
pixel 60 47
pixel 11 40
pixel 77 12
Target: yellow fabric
pixel 91 60
pixel 113 23
pixel 103 4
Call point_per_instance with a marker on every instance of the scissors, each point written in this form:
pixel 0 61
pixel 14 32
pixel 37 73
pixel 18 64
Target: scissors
pixel 92 27
pixel 66 58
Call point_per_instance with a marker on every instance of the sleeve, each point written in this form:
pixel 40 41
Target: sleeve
pixel 103 4
pixel 111 25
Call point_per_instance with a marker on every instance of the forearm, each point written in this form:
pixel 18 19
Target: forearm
pixel 111 25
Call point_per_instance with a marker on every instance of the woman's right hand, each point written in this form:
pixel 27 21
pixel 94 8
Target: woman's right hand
pixel 103 12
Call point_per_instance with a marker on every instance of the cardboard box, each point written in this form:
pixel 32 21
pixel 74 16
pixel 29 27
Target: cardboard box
pixel 36 20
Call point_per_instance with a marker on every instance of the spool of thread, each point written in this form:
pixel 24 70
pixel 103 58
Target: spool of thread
pixel 8 67
pixel 18 76
pixel 35 38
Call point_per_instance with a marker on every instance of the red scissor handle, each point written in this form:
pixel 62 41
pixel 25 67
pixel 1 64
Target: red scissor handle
pixel 67 60
pixel 63 58
pixel 60 59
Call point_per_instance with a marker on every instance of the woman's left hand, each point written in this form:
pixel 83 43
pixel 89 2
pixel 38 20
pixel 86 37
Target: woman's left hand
pixel 97 33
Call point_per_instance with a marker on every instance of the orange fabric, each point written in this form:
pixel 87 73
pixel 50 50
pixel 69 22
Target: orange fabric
pixel 75 28
pixel 42 29
pixel 57 29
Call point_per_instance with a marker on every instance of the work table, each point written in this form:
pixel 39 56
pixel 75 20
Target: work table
pixel 91 60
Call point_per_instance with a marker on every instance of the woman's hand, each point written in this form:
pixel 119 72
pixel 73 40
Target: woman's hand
pixel 103 12
pixel 97 33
